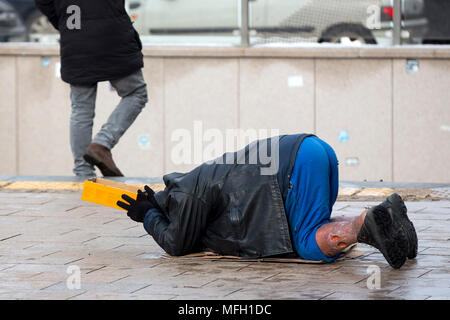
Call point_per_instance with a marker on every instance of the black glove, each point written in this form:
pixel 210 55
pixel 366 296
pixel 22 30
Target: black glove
pixel 137 209
pixel 151 197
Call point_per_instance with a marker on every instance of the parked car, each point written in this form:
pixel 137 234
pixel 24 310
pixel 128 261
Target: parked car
pixel 320 20
pixel 415 23
pixel 11 25
pixel 366 21
pixel 36 24
pixel 438 14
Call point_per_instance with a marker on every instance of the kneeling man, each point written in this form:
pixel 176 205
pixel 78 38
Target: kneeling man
pixel 236 205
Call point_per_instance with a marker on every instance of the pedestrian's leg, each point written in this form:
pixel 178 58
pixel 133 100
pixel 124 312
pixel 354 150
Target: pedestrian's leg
pixel 133 91
pixel 81 122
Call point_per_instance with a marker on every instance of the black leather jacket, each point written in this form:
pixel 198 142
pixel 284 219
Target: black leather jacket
pixel 232 209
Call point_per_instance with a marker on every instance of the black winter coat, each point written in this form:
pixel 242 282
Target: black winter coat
pixel 105 47
pixel 232 209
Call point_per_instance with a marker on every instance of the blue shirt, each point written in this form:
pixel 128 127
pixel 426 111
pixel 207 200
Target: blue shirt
pixel 313 191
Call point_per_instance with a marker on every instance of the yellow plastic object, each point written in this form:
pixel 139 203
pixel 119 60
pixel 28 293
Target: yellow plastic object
pixel 107 192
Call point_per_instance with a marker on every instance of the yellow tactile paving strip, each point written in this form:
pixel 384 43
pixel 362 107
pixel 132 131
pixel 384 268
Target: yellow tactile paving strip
pixel 368 194
pixel 375 192
pixel 43 185
pixel 54 186
pixel 345 194
pixel 4 183
pixel 348 191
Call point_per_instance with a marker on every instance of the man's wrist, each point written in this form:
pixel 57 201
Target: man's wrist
pixel 150 218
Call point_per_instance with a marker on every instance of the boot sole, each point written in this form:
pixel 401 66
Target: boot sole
pixel 394 243
pixel 402 215
pixel 105 170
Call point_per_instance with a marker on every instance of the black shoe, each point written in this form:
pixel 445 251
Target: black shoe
pixel 398 211
pixel 386 234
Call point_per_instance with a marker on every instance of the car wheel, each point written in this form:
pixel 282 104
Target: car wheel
pixel 348 33
pixel 38 27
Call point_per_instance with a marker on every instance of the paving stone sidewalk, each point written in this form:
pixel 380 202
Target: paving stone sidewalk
pixel 45 235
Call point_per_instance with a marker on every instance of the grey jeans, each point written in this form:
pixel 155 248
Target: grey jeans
pixel 133 91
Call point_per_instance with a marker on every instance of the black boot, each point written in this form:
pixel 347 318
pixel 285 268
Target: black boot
pixel 386 234
pixel 398 211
